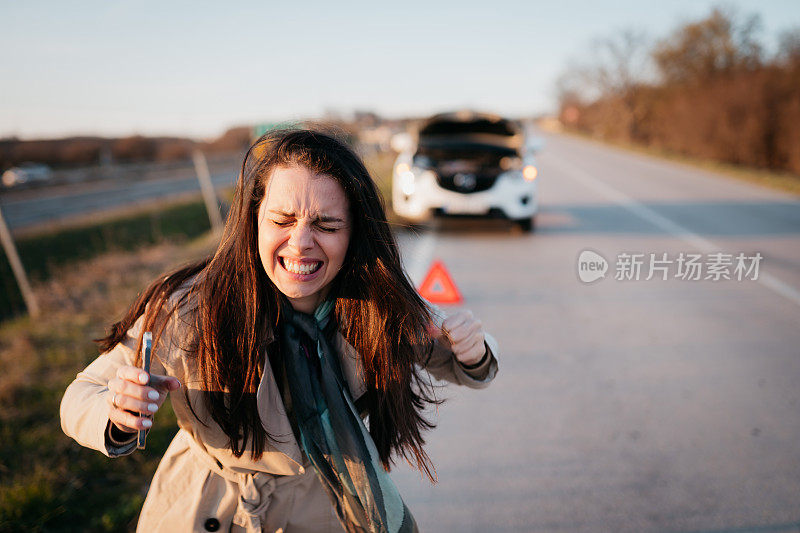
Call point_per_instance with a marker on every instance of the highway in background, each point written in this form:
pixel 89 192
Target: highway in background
pixel 622 405
pixel 26 209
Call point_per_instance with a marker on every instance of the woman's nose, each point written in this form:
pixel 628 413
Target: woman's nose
pixel 301 238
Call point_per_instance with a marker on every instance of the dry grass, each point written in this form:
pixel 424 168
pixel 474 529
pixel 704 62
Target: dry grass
pixel 47 481
pixel 68 244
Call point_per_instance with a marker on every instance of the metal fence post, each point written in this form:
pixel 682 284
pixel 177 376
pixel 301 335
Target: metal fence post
pixel 17 268
pixel 209 196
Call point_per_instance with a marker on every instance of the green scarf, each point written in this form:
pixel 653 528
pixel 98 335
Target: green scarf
pixel 332 433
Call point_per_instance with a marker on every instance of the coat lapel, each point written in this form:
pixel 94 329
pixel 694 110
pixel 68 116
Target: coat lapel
pixel 272 411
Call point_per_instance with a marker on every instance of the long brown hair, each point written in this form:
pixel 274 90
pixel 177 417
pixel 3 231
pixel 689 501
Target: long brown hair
pixel 377 309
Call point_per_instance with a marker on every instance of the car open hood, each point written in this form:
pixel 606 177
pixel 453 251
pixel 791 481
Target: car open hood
pixel 466 129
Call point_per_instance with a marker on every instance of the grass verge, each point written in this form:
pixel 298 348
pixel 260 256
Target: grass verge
pixel 41 254
pixel 48 482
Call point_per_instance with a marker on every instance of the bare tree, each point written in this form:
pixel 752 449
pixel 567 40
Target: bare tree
pixel 789 47
pixel 720 44
pixel 615 64
pixel 621 61
pixel 616 69
pixel 705 90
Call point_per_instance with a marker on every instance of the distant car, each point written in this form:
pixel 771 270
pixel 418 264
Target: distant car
pixel 27 173
pixel 465 164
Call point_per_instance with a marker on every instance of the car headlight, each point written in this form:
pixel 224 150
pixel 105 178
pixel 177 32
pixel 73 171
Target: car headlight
pixel 407 184
pixel 530 172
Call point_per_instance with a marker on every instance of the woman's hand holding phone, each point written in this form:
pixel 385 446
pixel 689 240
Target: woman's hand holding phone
pixel 134 396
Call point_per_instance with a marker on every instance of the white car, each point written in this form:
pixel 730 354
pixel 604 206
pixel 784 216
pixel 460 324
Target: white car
pixel 465 164
pixel 27 173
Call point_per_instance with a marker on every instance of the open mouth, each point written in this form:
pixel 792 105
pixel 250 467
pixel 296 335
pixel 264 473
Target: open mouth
pixel 302 267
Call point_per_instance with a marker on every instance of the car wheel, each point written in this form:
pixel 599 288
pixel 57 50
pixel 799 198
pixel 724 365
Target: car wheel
pixel 527 225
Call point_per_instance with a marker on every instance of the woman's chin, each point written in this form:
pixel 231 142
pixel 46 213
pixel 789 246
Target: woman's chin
pixel 305 304
pixel 293 292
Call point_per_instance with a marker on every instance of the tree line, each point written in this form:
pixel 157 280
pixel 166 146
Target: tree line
pixel 707 90
pixel 87 151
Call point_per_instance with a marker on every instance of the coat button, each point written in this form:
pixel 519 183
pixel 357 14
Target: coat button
pixel 212 524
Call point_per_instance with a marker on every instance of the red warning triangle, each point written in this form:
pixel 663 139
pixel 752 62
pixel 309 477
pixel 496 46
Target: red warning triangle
pixel 438 286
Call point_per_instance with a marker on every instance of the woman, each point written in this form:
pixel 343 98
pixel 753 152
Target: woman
pixel 307 277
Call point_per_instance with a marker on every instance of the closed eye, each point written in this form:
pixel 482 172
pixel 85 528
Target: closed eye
pixel 287 223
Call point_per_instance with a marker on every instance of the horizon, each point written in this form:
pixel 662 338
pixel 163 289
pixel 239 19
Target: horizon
pixel 120 70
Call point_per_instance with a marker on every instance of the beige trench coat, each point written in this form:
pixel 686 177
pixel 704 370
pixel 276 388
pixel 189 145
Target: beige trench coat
pixel 199 484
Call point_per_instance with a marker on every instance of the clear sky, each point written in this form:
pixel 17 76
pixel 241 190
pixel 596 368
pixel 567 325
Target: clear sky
pixel 195 68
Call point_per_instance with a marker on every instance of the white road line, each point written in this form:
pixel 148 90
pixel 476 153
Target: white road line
pixel 671 227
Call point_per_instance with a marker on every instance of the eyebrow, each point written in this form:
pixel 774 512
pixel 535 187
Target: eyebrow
pixel 321 219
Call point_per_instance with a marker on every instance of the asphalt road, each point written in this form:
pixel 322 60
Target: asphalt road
pixel 30 208
pixel 622 405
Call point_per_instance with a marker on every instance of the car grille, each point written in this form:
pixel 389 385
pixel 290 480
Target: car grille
pixel 466 183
